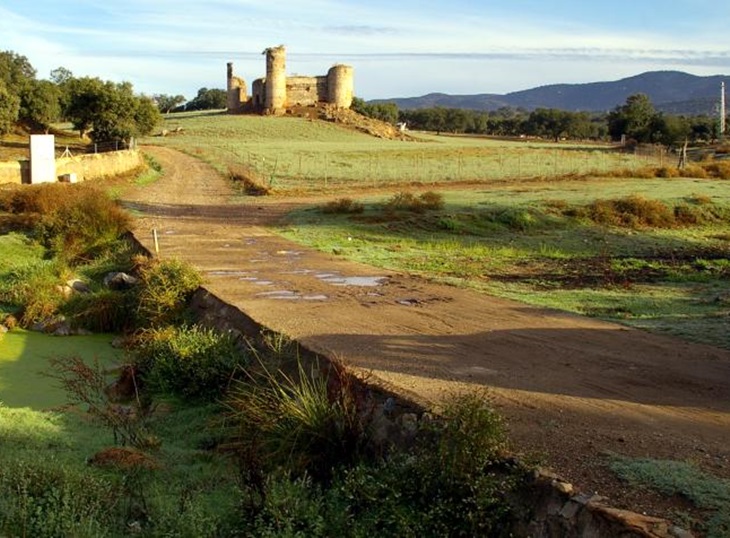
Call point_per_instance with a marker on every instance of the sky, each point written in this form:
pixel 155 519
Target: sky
pixel 402 48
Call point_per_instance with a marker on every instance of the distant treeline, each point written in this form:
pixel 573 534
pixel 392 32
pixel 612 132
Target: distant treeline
pixel 636 120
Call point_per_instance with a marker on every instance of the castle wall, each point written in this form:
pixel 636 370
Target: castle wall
pixel 305 91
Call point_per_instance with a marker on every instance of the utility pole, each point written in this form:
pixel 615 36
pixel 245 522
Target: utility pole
pixel 722 110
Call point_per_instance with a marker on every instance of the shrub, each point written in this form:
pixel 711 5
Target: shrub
pixel 188 361
pixel 35 288
pixel 81 228
pixel 103 311
pixel 165 287
pixel 667 172
pixel 406 201
pixel 343 206
pixel 633 211
pixel 718 169
pixel 694 170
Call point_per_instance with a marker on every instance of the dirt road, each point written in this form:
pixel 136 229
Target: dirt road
pixel 571 388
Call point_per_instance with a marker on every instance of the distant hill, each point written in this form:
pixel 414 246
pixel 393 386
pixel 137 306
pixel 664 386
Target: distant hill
pixel 670 91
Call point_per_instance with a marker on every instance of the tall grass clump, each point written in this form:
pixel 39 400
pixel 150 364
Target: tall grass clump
pixel 165 287
pixel 307 422
pixel 248 180
pixel 188 361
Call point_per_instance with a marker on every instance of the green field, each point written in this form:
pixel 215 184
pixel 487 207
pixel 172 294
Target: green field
pixel 511 241
pixel 294 154
pixel 502 230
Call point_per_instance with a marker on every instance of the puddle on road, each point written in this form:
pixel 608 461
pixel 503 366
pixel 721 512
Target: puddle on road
pixel 287 295
pixel 360 281
pixel 227 273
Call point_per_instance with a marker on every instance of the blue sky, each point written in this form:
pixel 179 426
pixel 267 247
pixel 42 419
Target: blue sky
pixel 398 49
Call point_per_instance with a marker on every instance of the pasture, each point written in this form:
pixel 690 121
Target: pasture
pixel 296 155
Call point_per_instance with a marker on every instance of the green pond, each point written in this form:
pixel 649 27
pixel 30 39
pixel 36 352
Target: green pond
pixel 24 365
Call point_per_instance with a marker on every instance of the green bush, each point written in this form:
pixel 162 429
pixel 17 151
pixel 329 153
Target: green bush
pixel 406 201
pixel 188 361
pixel 165 287
pixel 35 288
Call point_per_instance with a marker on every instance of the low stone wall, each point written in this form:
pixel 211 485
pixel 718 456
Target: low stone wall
pixel 86 167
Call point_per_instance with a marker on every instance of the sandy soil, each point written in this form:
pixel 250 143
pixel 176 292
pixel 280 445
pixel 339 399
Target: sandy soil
pixel 573 389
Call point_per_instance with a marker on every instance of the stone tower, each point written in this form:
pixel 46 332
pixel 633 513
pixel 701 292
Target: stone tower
pixel 340 86
pixel 275 101
pixel 237 95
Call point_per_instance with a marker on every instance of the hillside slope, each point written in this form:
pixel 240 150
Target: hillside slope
pixel 673 91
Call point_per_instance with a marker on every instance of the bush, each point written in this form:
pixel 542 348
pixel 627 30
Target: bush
pixel 718 169
pixel 35 288
pixel 406 201
pixel 165 287
pixel 633 212
pixel 105 311
pixel 188 361
pixel 343 206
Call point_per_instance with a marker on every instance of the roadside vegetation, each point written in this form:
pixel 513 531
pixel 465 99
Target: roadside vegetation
pixel 188 431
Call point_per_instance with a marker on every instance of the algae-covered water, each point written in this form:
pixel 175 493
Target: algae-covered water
pixel 24 365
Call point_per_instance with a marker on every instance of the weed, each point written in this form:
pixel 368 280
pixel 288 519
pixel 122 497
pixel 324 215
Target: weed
pixel 343 206
pixel 35 288
pixel 104 311
pixel 249 180
pixel 86 385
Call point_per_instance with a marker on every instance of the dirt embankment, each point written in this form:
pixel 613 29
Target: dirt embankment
pixel 572 389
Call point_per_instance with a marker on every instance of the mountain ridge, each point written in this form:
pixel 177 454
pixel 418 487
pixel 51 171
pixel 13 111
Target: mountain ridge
pixel 674 92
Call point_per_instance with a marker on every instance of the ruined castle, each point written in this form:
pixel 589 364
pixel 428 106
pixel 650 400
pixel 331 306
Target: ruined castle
pixel 276 93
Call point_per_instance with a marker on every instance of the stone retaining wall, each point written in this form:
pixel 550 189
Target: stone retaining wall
pixel 86 167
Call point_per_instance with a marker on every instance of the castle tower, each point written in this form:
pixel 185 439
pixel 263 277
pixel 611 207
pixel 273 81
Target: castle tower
pixel 275 100
pixel 341 85
pixel 237 94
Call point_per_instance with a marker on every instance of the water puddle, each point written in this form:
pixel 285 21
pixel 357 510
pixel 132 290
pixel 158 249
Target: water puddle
pixel 361 281
pixel 287 295
pixel 227 273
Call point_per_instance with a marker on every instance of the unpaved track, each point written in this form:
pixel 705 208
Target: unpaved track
pixel 572 388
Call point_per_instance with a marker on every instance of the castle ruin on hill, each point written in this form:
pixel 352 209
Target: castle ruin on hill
pixel 276 93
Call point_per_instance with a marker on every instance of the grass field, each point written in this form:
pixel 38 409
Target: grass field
pixel 294 154
pixel 511 241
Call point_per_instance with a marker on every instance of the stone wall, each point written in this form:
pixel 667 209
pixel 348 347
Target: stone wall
pixel 305 91
pixel 86 167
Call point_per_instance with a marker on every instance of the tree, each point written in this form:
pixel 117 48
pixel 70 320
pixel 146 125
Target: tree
pixel 41 104
pixel 110 110
pixel 16 72
pixel 632 119
pixel 549 122
pixel 206 99
pixel 166 103
pixel 9 108
pixel 670 130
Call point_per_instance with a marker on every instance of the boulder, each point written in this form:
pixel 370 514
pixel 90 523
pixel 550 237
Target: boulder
pixel 119 281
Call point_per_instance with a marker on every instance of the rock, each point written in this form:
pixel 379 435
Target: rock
pixel 79 286
pixel 119 281
pixel 563 487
